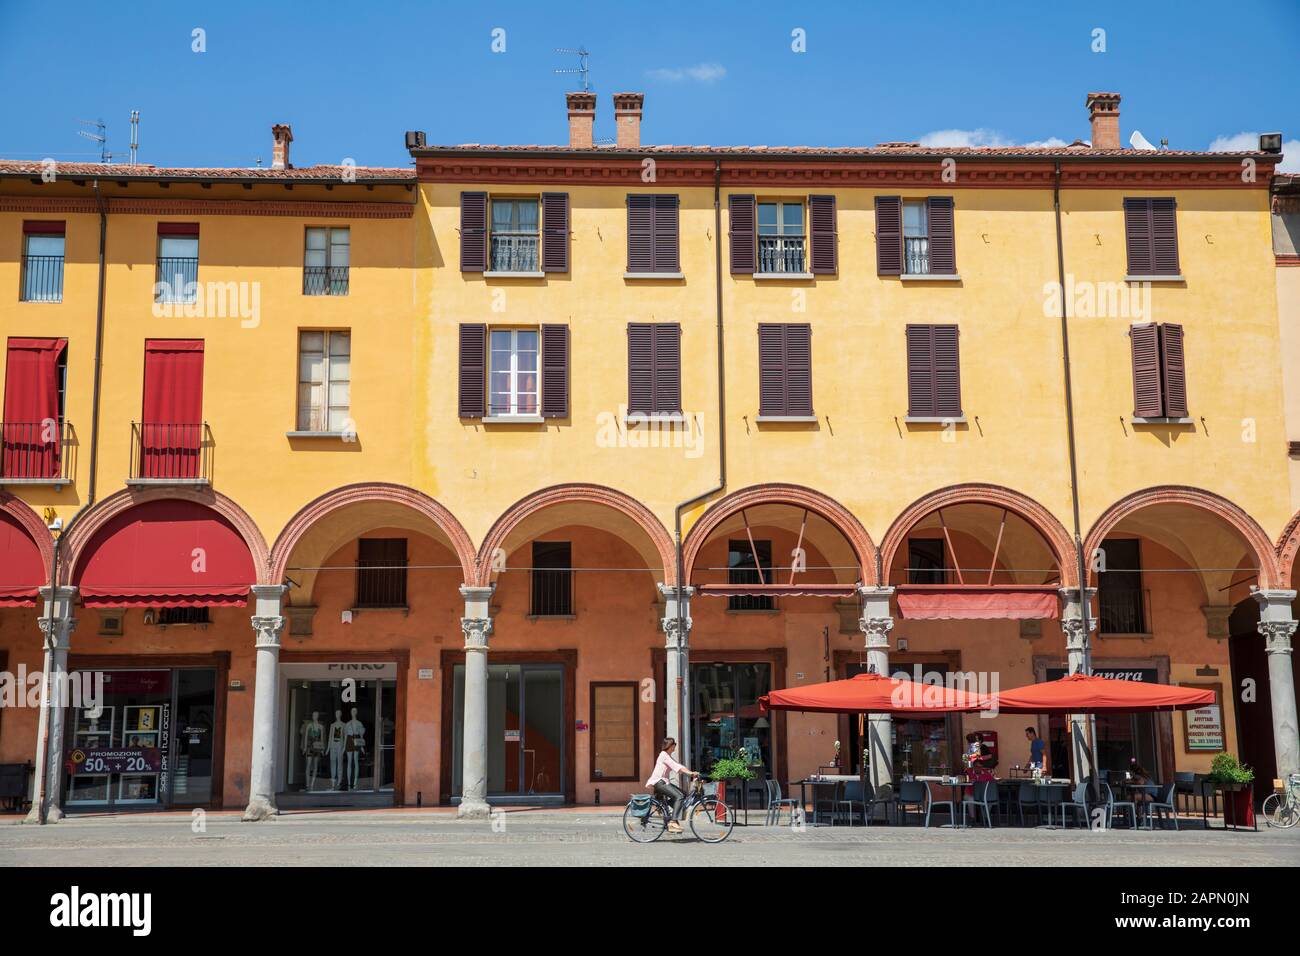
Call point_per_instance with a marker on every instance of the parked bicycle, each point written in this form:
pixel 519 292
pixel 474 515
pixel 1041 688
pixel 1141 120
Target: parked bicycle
pixel 645 819
pixel 1282 809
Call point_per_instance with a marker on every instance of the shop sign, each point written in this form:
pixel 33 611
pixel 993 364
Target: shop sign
pixel 148 760
pixel 1205 729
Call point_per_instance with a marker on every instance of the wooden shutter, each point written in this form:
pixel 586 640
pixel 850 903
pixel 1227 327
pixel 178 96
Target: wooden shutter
pixel 666 229
pixel 798 369
pixel 889 235
pixel 640 232
pixel 821 222
pixel 771 369
pixel 1164 238
pixel 784 369
pixel 741 214
pixel 555 232
pixel 473 371
pixel 1137 236
pixel 640 368
pixel 1173 370
pixel 1147 398
pixel 667 368
pixel 920 372
pixel 947 372
pixel 473 232
pixel 555 371
pixel 943 245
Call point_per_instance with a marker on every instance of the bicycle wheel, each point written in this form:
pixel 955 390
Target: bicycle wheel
pixel 1280 813
pixel 712 820
pixel 648 828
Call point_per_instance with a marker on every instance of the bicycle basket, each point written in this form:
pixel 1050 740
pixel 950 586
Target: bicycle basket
pixel 640 804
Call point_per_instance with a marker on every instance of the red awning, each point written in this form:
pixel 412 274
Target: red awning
pixel 166 554
pixel 777 590
pixel 999 602
pixel 873 694
pixel 1084 694
pixel 22 572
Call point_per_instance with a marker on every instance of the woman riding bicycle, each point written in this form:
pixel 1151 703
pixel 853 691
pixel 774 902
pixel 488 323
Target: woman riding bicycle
pixel 658 782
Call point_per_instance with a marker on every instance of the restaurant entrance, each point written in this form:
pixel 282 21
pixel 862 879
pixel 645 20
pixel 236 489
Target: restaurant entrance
pixel 1118 738
pixel 921 746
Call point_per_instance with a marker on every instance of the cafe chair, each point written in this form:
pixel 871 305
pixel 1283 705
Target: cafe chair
pixel 1078 802
pixel 1184 788
pixel 931 803
pixel 1028 796
pixel 851 800
pixel 1123 806
pixel 983 796
pixel 911 793
pixel 775 802
pixel 1162 803
pixel 884 797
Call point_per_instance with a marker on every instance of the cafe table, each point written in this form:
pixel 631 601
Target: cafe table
pixel 835 781
pixel 1127 786
pixel 957 785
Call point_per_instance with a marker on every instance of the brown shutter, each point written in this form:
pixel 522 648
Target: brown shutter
pixel 741 214
pixel 771 369
pixel 889 235
pixel 473 371
pixel 947 372
pixel 666 229
pixel 920 372
pixel 668 368
pixel 555 371
pixel 640 368
pixel 1164 238
pixel 473 232
pixel 640 232
pixel 943 245
pixel 1147 401
pixel 1137 236
pixel 798 369
pixel 1174 370
pixel 555 232
pixel 821 222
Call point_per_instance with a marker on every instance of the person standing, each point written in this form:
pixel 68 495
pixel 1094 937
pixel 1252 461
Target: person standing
pixel 1036 748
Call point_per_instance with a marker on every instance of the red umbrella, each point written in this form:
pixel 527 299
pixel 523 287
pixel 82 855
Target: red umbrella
pixel 1084 694
pixel 873 694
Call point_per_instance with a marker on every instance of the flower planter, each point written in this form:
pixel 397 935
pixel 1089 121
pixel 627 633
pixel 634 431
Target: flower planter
pixel 1238 805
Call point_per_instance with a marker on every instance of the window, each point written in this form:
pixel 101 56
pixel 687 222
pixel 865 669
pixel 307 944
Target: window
pixel 514 384
pixel 381 572
pixel 785 370
pixel 183 615
pixel 925 561
pixel 1119 588
pixel 780 237
pixel 31 443
pixel 916 238
pixel 515 236
pixel 1159 371
pixel 933 372
pixel 1151 237
pixel 42 276
pixel 178 263
pixel 654 368
pixel 325 261
pixel 652 233
pixel 614 739
pixel 551 579
pixel 741 569
pixel 324 381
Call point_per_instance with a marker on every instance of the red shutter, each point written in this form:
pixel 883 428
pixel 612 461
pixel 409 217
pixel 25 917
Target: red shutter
pixel 43 227
pixel 741 215
pixel 798 369
pixel 668 368
pixel 31 438
pixel 640 368
pixel 1174 370
pixel 640 232
pixel 555 371
pixel 771 369
pixel 920 372
pixel 1137 236
pixel 190 229
pixel 947 372
pixel 1164 237
pixel 172 422
pixel 555 232
pixel 1147 398
pixel 821 221
pixel 943 244
pixel 666 229
pixel 473 232
pixel 473 371
pixel 889 236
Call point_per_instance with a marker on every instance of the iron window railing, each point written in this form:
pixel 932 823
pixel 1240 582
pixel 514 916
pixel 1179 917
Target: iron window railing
pixel 42 279
pixel 780 254
pixel 171 452
pixel 916 255
pixel 324 280
pixel 178 279
pixel 34 451
pixel 1124 610
pixel 514 253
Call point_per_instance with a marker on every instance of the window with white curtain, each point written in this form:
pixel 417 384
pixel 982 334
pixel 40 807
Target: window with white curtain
pixel 514 386
pixel 324 381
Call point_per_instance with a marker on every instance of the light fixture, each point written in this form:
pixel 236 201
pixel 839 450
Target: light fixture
pixel 1270 142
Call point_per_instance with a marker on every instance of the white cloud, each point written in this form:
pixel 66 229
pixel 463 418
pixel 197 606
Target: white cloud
pixel 980 137
pixel 700 73
pixel 1250 141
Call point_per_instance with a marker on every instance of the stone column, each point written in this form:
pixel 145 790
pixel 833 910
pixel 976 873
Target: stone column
pixel 477 625
pixel 268 623
pixel 875 624
pixel 57 625
pixel 1078 659
pixel 677 669
pixel 1278 627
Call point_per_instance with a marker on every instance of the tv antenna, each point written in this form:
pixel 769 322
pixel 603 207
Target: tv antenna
pixel 100 136
pixel 581 69
pixel 135 135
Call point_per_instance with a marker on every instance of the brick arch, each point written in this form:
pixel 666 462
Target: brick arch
pixel 85 529
pixel 31 522
pixel 320 508
pixel 570 494
pixel 797 496
pixel 997 496
pixel 1288 546
pixel 1207 501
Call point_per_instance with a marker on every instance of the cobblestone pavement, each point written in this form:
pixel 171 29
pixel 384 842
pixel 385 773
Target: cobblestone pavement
pixel 594 838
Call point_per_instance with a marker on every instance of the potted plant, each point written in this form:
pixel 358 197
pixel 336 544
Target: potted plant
pixel 735 767
pixel 1236 781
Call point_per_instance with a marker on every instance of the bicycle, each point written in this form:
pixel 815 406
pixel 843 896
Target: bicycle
pixel 645 818
pixel 1282 808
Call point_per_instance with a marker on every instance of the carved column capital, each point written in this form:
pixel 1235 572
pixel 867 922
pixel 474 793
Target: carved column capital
pixel 676 637
pixel 876 630
pixel 268 628
pixel 1277 635
pixel 1075 639
pixel 477 631
pixel 56 632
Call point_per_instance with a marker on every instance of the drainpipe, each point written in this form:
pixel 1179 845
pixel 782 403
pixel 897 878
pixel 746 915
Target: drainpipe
pixel 681 690
pixel 44 755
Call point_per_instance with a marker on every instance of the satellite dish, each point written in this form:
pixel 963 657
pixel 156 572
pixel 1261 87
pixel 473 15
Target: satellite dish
pixel 1138 141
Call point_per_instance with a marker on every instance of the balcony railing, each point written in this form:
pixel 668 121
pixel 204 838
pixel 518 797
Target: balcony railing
pixel 171 453
pixel 42 279
pixel 514 253
pixel 177 279
pixel 1124 610
pixel 916 255
pixel 780 254
pixel 34 452
pixel 325 280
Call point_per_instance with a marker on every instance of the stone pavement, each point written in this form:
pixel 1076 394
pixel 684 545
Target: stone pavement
pixel 591 837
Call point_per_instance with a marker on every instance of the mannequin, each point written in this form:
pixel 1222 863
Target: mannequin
pixel 354 737
pixel 336 750
pixel 312 738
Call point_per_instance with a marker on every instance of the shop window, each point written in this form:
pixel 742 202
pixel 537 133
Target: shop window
pixel 726 718
pixel 381 572
pixel 925 561
pixel 741 569
pixel 614 731
pixel 341 737
pixel 552 579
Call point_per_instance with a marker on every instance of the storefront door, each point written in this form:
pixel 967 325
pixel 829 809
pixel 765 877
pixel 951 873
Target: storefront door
pixel 920 746
pixel 725 715
pixel 526 755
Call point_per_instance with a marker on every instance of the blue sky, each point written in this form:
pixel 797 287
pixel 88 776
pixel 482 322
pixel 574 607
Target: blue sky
pixel 351 77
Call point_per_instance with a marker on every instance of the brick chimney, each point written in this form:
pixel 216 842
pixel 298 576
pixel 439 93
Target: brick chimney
pixel 281 137
pixel 627 119
pixel 582 119
pixel 1103 110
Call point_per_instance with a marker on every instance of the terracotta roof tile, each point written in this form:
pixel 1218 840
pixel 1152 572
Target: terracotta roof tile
pixel 872 152
pixel 9 167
